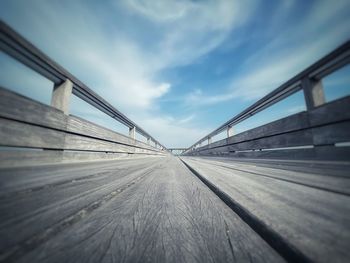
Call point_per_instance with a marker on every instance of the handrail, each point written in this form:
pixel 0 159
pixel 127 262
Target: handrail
pixel 22 50
pixel 326 65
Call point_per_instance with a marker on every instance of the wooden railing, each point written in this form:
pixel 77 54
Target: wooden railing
pixel 64 82
pixel 313 134
pixel 33 133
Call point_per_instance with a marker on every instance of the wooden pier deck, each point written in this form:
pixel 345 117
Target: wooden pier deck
pixel 155 209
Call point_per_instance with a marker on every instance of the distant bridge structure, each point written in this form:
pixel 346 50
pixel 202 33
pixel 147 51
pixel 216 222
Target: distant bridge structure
pixel 177 151
pixel 74 191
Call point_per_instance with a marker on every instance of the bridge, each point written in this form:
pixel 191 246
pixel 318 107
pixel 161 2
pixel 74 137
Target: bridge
pixel 177 151
pixel 74 191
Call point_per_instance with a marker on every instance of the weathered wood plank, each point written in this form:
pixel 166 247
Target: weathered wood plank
pixel 286 154
pixel 83 127
pixel 288 124
pixel 44 202
pixel 17 179
pixel 18 107
pixel 168 216
pixel 324 125
pixel 338 182
pixel 334 111
pixel 80 126
pixel 321 167
pixel 17 158
pixel 313 220
pixel 332 133
pixel 332 153
pixel 27 123
pixel 326 153
pixel 292 139
pixel 19 134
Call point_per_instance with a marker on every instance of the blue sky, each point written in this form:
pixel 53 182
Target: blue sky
pixel 177 68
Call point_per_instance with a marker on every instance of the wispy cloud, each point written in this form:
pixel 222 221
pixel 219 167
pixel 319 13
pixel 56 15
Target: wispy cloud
pixel 112 63
pixel 188 29
pixel 278 61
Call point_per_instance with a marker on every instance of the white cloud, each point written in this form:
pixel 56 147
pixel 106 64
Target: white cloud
pixel 191 29
pixel 279 61
pixel 174 133
pixel 109 59
pixel 161 11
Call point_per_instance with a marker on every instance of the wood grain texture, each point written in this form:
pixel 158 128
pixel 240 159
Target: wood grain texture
pixel 19 134
pixel 146 210
pixel 322 126
pixel 83 127
pixel 332 133
pixel 334 111
pixel 33 125
pixel 312 212
pixel 330 168
pixel 17 107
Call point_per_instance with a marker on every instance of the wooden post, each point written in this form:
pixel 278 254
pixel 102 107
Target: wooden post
pixel 229 131
pixel 61 96
pixel 132 132
pixel 313 93
pixel 209 140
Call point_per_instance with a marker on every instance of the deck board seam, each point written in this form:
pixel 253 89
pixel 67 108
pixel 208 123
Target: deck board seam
pixel 286 250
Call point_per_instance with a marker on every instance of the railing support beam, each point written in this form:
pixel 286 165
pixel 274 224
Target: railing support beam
pixel 209 140
pixel 229 131
pixel 61 96
pixel 132 132
pixel 313 93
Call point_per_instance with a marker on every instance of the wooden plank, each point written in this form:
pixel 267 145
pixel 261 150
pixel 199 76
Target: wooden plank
pixel 76 142
pixel 321 167
pixel 292 139
pixel 332 133
pixel 324 134
pixel 291 123
pixel 337 182
pixel 288 125
pixel 167 216
pixel 328 152
pixel 334 111
pixel 19 179
pixel 84 127
pixel 39 208
pixel 287 154
pixel 18 107
pixel 315 221
pixel 15 133
pixel 30 157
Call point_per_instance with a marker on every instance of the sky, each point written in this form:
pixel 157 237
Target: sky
pixel 179 69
